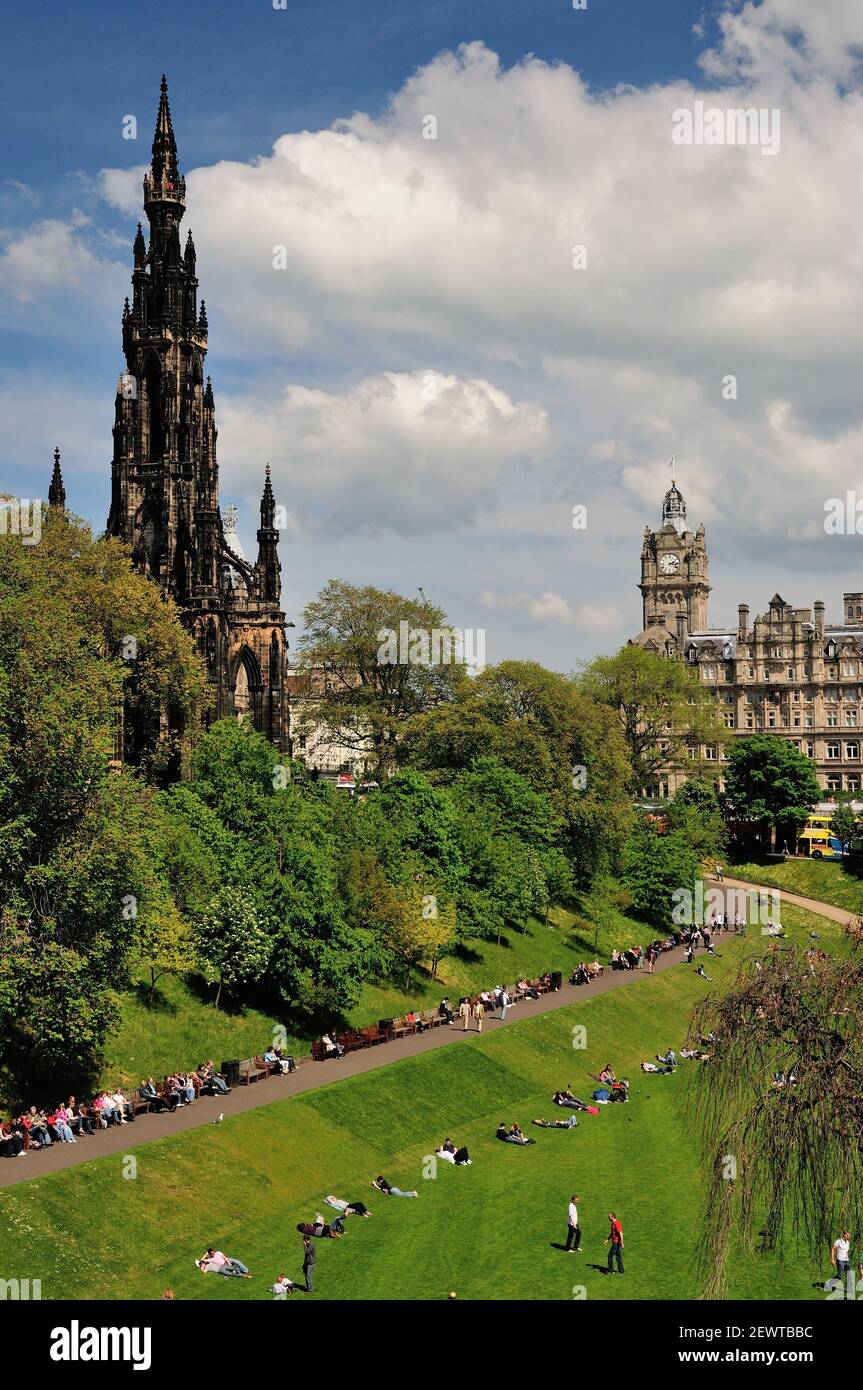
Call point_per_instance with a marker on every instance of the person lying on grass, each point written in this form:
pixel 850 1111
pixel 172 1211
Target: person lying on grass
pixel 662 1071
pixel 388 1190
pixel 214 1262
pixel 569 1123
pixel 320 1228
pixel 513 1135
pixel 348 1208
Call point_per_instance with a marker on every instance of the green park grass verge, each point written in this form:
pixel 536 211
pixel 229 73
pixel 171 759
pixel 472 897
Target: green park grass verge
pixel 486 1232
pixel 182 1028
pixel 811 878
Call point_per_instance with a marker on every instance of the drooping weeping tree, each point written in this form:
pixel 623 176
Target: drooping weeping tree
pixel 784 1162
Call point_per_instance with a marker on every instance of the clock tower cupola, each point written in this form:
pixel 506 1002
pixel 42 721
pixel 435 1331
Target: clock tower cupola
pixel 674 585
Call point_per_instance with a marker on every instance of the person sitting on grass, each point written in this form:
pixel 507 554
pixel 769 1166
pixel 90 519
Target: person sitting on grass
pixel 450 1154
pixel 214 1262
pixel 619 1091
pixel 566 1098
pixel 512 1136
pixel 699 970
pixel 282 1286
pixel 570 1122
pixel 669 1060
pixel 388 1190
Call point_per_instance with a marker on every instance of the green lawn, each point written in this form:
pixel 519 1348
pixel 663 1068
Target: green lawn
pixel 182 1029
pixel 811 878
pixel 486 1231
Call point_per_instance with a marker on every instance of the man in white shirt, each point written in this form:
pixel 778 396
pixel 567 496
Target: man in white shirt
pixel 573 1230
pixel 840 1254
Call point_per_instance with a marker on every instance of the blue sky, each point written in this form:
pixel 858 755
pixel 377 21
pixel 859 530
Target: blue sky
pixel 565 408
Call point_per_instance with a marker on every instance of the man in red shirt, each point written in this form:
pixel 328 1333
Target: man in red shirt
pixel 615 1236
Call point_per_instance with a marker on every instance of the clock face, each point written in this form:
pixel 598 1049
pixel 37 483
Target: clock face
pixel 669 564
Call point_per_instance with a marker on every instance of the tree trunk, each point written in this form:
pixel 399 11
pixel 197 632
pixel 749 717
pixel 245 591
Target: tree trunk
pixel 218 995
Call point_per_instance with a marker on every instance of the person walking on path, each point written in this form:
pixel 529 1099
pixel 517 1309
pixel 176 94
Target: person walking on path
pixel 479 1014
pixel 840 1254
pixel 464 1013
pixel 573 1230
pixel 719 873
pixel 615 1238
pixel 504 1004
pixel 310 1254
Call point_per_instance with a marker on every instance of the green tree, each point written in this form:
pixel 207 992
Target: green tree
pixel 797 1174
pixel 663 709
pixel 695 812
pixel 371 665
pixel 770 783
pixel 655 868
pixel 844 824
pixel 231 944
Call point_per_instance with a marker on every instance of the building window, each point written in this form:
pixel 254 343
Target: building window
pixel 709 673
pixel 852 784
pixel 834 784
pixel 710 753
pixel 807 720
pixel 750 721
pixel 729 719
pixel 832 719
pixel 810 748
pixel 852 751
pixel 832 749
pixel 850 717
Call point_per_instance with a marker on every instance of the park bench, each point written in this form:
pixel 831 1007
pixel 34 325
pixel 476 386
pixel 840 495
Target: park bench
pixel 250 1071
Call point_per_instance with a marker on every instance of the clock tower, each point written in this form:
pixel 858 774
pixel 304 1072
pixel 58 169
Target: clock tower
pixel 674 585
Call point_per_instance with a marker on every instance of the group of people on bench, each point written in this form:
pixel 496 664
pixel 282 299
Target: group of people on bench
pixel 62 1124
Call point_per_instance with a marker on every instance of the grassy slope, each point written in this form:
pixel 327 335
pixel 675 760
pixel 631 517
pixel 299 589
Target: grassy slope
pixel 183 1030
pixel 811 878
pixel 485 1231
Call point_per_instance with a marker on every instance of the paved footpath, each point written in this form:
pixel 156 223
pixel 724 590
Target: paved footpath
pixel 309 1076
pixel 836 914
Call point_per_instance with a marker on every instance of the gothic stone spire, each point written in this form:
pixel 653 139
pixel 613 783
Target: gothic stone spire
pixel 56 491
